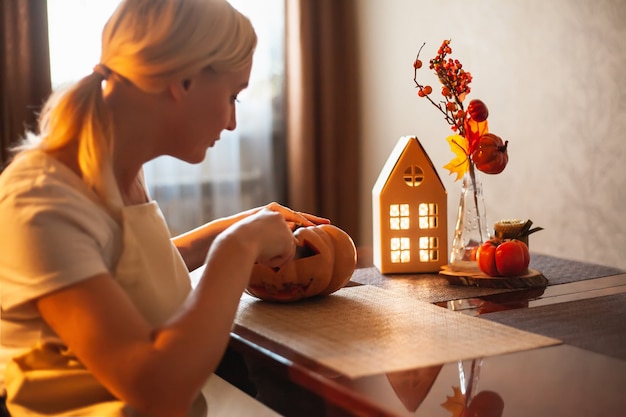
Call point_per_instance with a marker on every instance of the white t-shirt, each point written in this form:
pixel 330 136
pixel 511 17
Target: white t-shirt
pixel 79 240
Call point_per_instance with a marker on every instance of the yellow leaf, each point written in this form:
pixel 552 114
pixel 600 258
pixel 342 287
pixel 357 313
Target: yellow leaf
pixel 455 404
pixel 460 163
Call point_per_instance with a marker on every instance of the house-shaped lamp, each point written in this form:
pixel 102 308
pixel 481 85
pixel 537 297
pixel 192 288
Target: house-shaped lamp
pixel 409 208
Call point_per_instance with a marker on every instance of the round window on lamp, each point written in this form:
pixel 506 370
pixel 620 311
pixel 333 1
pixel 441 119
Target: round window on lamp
pixel 413 176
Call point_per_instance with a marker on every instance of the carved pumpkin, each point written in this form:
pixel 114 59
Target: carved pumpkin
pixel 324 262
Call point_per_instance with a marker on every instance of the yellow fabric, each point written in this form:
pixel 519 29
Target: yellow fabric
pixel 49 381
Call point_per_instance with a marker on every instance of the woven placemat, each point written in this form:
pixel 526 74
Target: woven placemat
pixel 595 324
pixel 365 330
pixel 435 288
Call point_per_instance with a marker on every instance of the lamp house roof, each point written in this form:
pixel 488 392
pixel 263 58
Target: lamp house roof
pixel 408 165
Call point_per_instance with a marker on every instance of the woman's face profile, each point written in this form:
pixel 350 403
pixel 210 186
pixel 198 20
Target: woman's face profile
pixel 208 107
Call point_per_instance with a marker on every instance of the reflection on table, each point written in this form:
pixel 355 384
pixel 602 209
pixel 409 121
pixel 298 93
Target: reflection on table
pixel 583 306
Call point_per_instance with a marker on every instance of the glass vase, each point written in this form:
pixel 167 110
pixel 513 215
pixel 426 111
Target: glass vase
pixel 471 228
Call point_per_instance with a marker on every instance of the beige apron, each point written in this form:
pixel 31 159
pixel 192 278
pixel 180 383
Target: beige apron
pixel 49 381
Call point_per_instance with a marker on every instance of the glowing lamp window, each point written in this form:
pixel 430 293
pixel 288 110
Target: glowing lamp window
pixel 413 176
pixel 428 249
pixel 400 250
pixel 399 216
pixel 428 215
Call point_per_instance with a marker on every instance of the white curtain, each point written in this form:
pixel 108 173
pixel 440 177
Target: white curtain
pixel 245 167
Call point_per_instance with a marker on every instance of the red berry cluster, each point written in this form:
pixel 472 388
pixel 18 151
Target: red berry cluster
pixel 454 78
pixel 455 86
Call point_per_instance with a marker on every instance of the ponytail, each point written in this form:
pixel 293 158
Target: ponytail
pixel 76 116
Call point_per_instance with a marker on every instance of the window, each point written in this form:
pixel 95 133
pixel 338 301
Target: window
pixel 399 216
pixel 413 176
pixel 429 249
pixel 428 215
pixel 246 167
pixel 400 250
pixel 75 42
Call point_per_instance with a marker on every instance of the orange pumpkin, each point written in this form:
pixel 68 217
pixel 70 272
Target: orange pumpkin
pixel 326 261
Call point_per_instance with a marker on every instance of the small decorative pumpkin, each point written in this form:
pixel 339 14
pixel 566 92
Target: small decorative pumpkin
pixel 324 262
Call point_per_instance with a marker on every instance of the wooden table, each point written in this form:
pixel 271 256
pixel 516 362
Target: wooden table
pixel 584 306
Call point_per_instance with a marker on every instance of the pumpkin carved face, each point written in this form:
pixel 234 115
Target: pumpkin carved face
pixel 324 262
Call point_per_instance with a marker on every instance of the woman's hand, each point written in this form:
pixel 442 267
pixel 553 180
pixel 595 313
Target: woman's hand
pixel 194 245
pixel 295 218
pixel 274 238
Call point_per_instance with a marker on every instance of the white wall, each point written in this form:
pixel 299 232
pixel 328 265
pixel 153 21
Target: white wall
pixel 551 73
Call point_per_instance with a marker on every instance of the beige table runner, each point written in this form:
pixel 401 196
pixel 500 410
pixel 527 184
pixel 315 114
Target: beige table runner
pixel 365 330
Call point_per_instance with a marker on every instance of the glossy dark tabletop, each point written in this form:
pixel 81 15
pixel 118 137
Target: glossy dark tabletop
pixel 584 306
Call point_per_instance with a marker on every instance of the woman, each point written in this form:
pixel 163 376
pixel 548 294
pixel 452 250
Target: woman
pixel 98 315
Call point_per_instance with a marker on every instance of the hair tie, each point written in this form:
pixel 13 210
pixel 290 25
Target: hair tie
pixel 103 70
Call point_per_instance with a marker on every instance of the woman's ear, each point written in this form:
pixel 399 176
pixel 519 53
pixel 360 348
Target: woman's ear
pixel 178 88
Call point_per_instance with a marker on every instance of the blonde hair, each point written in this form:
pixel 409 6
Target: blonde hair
pixel 151 43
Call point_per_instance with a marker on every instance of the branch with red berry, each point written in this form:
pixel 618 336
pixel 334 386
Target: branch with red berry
pixel 472 143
